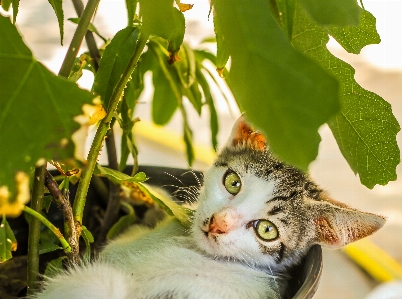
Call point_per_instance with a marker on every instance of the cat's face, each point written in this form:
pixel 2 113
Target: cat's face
pixel 255 209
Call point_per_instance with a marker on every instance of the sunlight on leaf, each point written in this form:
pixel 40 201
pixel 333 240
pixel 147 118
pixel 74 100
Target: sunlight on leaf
pixel 333 12
pixel 354 38
pixel 365 128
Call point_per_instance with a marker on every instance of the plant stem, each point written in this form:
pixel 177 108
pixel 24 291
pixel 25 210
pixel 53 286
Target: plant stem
pixel 103 128
pixel 89 37
pixel 34 230
pixel 48 224
pixel 113 206
pixel 63 203
pixel 77 38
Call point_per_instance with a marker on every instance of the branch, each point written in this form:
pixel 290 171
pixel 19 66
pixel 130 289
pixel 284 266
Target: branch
pixel 34 230
pixel 77 38
pixel 89 37
pixel 63 203
pixel 113 206
pixel 48 224
pixel 80 198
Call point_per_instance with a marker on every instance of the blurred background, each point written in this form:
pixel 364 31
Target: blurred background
pixel 378 69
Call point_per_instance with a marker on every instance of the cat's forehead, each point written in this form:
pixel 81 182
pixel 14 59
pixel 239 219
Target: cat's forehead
pixel 263 164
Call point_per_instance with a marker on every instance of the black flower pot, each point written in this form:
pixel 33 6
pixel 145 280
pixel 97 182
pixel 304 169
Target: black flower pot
pixel 303 284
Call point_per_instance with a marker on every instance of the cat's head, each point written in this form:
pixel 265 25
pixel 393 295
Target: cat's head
pixel 256 209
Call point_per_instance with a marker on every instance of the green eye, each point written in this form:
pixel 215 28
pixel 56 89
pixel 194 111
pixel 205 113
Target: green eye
pixel 232 182
pixel 266 230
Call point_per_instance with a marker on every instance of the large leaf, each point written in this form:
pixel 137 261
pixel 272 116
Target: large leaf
pixel 333 12
pixel 36 110
pixel 365 128
pixel 172 208
pixel 354 38
pixel 283 93
pixel 58 9
pixel 160 18
pixel 114 61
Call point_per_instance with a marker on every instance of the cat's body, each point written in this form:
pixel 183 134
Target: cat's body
pixel 256 218
pixel 160 263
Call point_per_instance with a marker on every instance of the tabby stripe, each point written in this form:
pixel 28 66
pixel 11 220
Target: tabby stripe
pixel 281 253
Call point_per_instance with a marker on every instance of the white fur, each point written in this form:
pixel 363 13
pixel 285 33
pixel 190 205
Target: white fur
pixel 152 263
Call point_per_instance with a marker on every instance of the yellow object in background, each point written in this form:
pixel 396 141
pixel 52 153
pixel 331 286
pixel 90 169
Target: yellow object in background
pixel 374 260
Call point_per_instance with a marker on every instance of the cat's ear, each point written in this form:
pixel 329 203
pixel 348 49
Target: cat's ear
pixel 244 135
pixel 336 224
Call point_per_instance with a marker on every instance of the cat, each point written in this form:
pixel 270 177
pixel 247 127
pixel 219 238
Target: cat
pixel 256 218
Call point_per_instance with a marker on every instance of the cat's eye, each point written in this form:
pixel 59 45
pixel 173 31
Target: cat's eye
pixel 232 182
pixel 265 229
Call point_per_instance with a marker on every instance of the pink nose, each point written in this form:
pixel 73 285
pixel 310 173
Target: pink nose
pixel 223 222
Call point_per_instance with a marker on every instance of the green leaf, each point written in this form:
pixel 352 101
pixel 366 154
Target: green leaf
pixel 131 6
pixel 46 247
pixel 91 28
pixel 212 111
pixel 123 223
pixel 164 102
pixel 194 95
pixel 37 109
pixel 88 238
pixel 114 61
pixel 118 177
pixel 283 93
pixel 172 208
pixel 354 38
pixel 46 202
pixel 167 95
pixel 188 140
pixel 365 128
pixel 8 242
pixel 54 267
pixel 160 18
pixel 333 12
pixel 184 215
pixel 5 4
pixel 186 66
pixel 81 63
pixel 16 4
pixel 58 9
pixel 286 9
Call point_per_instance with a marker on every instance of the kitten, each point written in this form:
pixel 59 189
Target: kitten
pixel 257 217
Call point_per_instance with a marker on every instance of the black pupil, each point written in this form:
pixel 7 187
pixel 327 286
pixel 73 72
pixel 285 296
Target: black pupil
pixel 235 184
pixel 268 229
